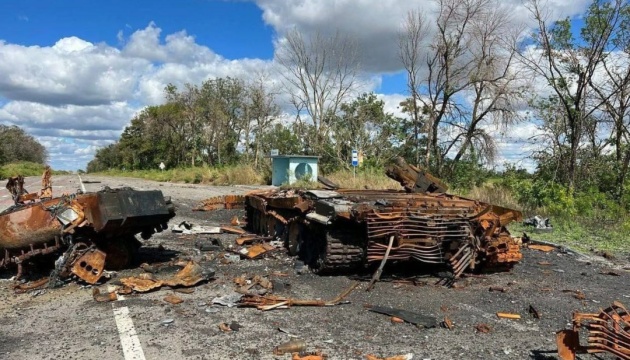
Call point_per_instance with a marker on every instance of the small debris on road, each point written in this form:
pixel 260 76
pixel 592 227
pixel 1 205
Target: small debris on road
pixel 173 299
pixel 107 297
pixel 544 248
pixel 293 346
pixel 483 328
pixel 408 316
pixel 397 357
pixel 512 316
pixel 534 312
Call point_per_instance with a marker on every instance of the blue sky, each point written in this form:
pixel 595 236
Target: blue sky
pixel 75 72
pixel 233 29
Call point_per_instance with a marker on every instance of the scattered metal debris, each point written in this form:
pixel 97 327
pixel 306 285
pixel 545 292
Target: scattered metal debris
pixel 576 294
pixel 483 328
pixel 545 248
pixel 233 326
pixel 408 316
pixel 608 331
pixel 396 320
pixel 107 297
pixel 256 285
pixel 316 355
pixel 221 202
pixel 187 228
pixel 293 346
pixel 90 231
pixel 504 315
pixel 229 300
pixel 539 223
pixel 37 284
pixel 447 323
pixel 397 357
pixel 190 275
pixel 534 312
pixel 173 299
pixel 270 302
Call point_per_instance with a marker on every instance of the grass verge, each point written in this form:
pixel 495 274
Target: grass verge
pixel 25 168
pixel 229 175
pixel 369 178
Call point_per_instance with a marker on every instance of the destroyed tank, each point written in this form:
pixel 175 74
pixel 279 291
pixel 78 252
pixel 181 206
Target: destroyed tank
pixel 335 230
pixel 88 231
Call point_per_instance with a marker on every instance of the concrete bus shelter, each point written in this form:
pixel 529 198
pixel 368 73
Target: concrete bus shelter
pixel 287 169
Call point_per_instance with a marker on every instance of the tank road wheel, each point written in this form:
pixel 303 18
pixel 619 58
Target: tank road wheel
pixel 293 239
pixel 337 250
pixel 121 252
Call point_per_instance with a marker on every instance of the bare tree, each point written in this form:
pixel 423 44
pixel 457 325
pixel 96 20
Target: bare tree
pixel 411 39
pixel 262 110
pixel 320 73
pixel 470 81
pixel 568 67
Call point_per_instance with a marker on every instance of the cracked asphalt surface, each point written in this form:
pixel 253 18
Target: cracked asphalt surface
pixel 67 323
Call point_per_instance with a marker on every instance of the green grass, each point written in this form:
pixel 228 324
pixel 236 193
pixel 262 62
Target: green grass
pixel 229 175
pixel 25 169
pixel 374 179
pixel 597 230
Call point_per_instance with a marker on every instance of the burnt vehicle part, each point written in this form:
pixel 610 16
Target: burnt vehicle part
pixel 93 230
pixel 608 332
pixel 347 229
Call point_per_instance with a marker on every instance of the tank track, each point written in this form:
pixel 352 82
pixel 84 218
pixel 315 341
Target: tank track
pixel 341 251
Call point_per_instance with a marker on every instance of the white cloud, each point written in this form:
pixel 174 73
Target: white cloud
pixel 375 24
pixel 75 94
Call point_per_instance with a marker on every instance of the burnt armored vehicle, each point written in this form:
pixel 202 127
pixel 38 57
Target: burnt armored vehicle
pixel 346 229
pixel 88 232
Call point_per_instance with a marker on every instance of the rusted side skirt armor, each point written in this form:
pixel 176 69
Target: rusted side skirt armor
pixel 608 331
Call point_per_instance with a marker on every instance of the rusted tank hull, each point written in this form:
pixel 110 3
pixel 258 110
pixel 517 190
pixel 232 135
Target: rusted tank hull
pixel 350 228
pixel 89 226
pixel 32 225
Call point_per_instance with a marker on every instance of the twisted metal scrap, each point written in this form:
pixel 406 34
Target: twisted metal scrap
pixel 608 331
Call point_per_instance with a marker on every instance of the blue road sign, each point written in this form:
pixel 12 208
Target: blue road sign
pixel 355 158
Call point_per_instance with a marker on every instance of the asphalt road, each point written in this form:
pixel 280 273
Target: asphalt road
pixel 66 323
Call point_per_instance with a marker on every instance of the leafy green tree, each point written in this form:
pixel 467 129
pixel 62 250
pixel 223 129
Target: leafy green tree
pixel 16 145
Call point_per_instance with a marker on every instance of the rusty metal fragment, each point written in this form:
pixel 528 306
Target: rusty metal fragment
pixel 89 266
pixel 191 275
pixel 504 315
pixel 173 299
pixel 107 297
pixel 316 355
pixel 544 248
pixel 22 288
pixel 270 302
pixel 233 230
pixel 483 328
pixel 221 202
pixel 608 331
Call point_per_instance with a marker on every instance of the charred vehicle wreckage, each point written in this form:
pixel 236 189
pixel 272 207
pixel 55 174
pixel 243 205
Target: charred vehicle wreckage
pixel 339 229
pixel 87 232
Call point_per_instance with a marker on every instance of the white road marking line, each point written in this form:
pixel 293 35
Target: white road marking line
pixel 128 337
pixel 81 182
